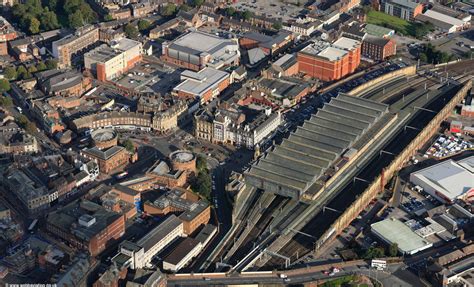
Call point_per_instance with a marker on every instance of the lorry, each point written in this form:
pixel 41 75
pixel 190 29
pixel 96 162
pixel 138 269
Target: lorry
pixel 283 276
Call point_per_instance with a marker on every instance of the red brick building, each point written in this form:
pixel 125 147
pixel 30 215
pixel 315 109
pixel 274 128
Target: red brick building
pixel 378 48
pixel 86 225
pixel 330 62
pixel 110 159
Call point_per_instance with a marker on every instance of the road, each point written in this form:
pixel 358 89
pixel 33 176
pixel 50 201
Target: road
pixel 297 276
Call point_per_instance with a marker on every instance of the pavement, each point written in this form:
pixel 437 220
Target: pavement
pixel 299 276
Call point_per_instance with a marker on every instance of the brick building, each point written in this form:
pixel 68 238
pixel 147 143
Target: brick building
pixel 110 159
pixel 330 62
pixel 82 38
pixel 206 84
pixel 86 225
pixel 63 82
pixel 194 211
pixel 196 50
pixel 378 48
pixel 108 62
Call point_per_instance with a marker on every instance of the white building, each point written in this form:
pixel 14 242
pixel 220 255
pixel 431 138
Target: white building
pixel 394 231
pixel 448 180
pixel 443 22
pixel 182 254
pixel 139 254
pixel 247 134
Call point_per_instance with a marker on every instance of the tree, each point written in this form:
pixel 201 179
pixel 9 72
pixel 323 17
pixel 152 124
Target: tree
pixel 169 10
pixel 374 252
pixel 10 73
pixel 23 73
pixel 277 26
pixel 184 7
pixel 423 58
pixel 143 25
pixel 41 66
pixel 49 21
pixel 6 102
pixel 128 144
pixel 34 26
pixel 246 15
pixel 32 69
pixel 130 30
pixel 75 19
pixel 393 250
pixel 51 64
pixel 201 163
pixel 230 11
pixel 202 185
pixel 4 85
pixel 197 3
pixel 26 124
pixel 108 18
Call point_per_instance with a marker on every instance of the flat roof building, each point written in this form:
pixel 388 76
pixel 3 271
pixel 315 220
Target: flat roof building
pixel 394 231
pixel 139 254
pixel 196 50
pixel 206 84
pixel 443 22
pixel 448 180
pixel 329 62
pixel 110 61
pixel 182 254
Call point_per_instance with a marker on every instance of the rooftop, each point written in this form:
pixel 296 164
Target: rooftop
pixel 304 156
pixel 67 218
pixel 394 231
pixel 159 232
pixel 181 251
pixel 103 154
pixel 451 179
pixel 197 42
pixel 198 83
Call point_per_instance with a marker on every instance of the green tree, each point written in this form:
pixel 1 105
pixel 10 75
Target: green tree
pixel 32 69
pixel 184 7
pixel 128 144
pixel 41 66
pixel 197 3
pixel 26 124
pixel 202 184
pixel 49 21
pixel 6 102
pixel 277 26
pixel 169 10
pixel 51 64
pixel 374 252
pixel 34 26
pixel 108 18
pixel 23 73
pixel 143 25
pixel 246 15
pixel 4 85
pixel 393 250
pixel 230 11
pixel 423 58
pixel 75 19
pixel 10 73
pixel 201 163
pixel 130 31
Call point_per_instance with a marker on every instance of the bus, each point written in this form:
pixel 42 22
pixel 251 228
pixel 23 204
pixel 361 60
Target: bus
pixel 32 227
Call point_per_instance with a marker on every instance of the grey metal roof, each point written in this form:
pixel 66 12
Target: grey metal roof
pixel 303 157
pixel 334 132
pixel 349 113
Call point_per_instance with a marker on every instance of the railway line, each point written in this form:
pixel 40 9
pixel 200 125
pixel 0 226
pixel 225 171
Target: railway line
pixel 302 243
